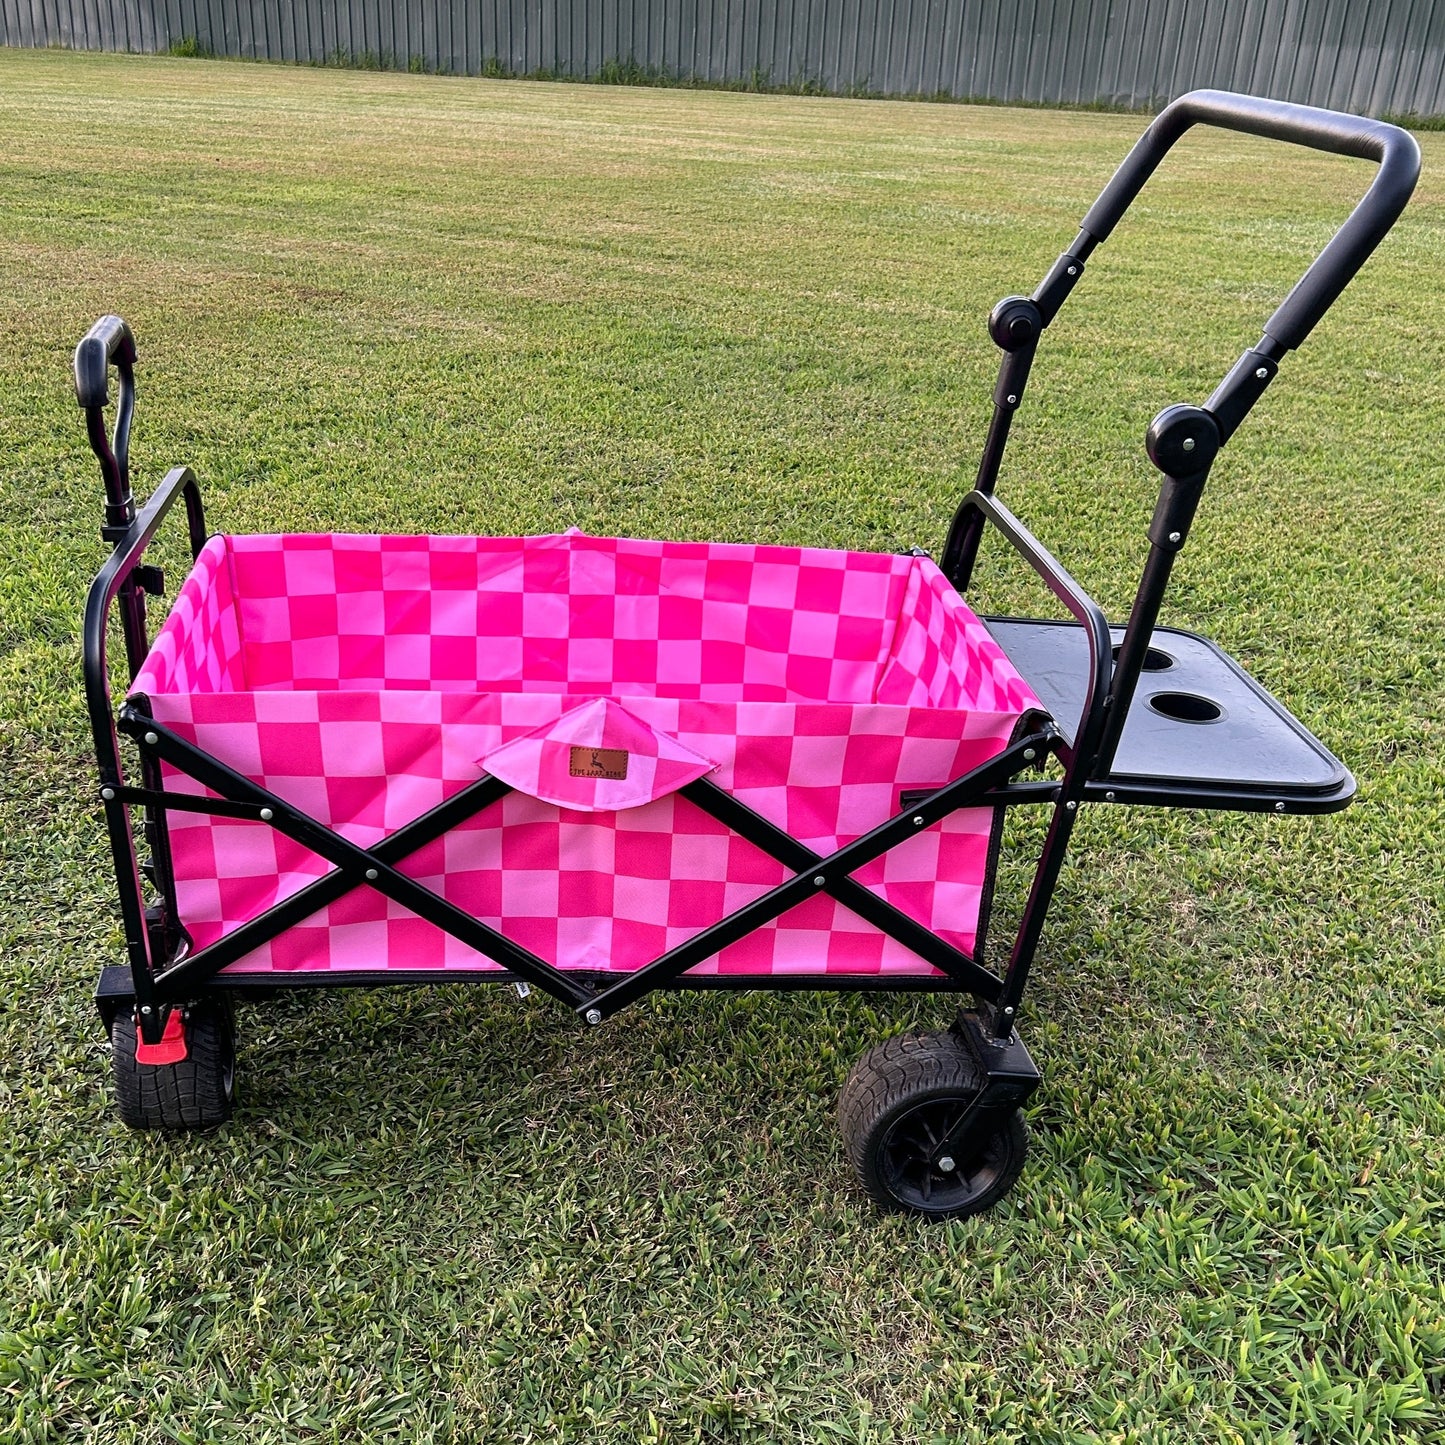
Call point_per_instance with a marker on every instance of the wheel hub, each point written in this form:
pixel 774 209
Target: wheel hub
pixel 921 1178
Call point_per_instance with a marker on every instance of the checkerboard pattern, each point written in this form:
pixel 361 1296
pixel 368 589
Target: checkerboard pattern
pixel 199 648
pixel 365 679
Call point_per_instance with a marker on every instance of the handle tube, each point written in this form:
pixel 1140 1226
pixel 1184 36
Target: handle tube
pixel 1331 271
pixel 109 343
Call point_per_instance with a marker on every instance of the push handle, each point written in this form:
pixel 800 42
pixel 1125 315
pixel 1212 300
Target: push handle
pixel 1317 290
pixel 1183 441
pixel 109 343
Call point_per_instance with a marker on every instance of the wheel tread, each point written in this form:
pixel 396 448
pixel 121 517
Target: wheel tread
pixel 191 1094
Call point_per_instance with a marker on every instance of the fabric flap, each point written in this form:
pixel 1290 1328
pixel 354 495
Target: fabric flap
pixel 597 758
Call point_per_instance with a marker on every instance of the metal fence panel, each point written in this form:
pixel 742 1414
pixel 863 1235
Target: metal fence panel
pixel 1371 56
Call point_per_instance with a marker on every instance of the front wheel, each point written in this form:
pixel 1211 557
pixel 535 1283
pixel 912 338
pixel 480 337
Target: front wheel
pixel 197 1092
pixel 900 1101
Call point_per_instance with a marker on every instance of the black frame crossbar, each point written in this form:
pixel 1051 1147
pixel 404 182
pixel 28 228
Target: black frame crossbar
pixel 772 840
pixel 836 869
pixel 197 969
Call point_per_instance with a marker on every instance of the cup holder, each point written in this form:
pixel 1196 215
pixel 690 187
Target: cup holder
pixel 1154 660
pixel 1186 707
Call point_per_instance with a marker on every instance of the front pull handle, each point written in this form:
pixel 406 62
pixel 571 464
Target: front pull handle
pixel 109 343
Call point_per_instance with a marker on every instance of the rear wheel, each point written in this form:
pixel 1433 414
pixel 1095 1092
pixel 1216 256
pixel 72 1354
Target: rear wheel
pixel 197 1092
pixel 899 1103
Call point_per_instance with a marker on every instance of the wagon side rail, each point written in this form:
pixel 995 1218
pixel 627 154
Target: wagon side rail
pixel 128 580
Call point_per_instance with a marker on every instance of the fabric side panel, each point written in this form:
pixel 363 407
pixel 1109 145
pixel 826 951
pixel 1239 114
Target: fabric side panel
pixel 723 622
pixel 944 657
pixel 569 613
pixel 198 648
pixel 827 775
pixel 583 890
pixel 327 611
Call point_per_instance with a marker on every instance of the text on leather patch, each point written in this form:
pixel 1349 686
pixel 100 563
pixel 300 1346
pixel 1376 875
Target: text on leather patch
pixel 599 763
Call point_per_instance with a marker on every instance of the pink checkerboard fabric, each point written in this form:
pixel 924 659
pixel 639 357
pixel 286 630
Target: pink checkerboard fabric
pixel 365 679
pixel 199 648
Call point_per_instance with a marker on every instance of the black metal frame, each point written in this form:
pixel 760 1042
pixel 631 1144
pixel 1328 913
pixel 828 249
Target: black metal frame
pixel 164 971
pixel 1182 442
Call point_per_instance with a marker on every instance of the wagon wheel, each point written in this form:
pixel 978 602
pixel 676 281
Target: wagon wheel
pixel 900 1100
pixel 197 1092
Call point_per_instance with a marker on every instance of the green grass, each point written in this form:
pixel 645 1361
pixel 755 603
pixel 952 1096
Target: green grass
pixel 376 301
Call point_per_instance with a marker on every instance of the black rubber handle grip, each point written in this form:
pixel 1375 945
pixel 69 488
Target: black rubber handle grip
pixel 1317 290
pixel 109 340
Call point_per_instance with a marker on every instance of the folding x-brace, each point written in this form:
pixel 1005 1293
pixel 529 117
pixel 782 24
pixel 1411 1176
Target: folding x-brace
pixel 377 867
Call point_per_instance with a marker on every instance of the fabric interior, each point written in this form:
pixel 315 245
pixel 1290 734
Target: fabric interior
pixel 572 614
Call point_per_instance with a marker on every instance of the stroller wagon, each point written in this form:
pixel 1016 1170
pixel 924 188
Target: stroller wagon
pixel 601 766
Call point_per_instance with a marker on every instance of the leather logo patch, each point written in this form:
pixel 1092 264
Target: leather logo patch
pixel 608 763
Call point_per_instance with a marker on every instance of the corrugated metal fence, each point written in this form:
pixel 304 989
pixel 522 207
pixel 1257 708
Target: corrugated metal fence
pixel 1362 55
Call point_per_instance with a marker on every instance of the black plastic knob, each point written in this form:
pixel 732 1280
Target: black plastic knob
pixel 1182 441
pixel 1014 323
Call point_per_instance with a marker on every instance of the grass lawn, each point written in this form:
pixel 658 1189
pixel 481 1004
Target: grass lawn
pixel 385 302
